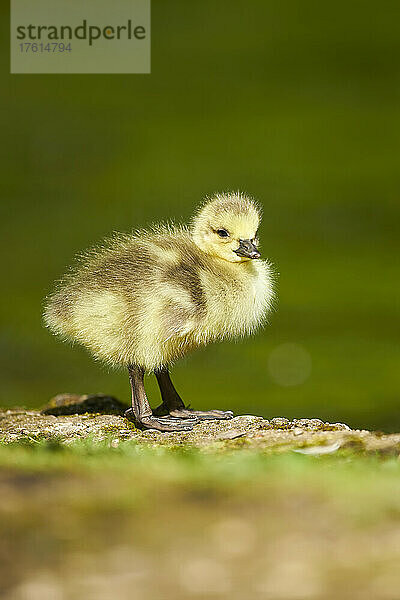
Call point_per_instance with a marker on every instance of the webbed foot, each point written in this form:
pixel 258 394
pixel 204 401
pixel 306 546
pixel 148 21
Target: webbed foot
pixel 167 423
pixel 172 404
pixel 201 415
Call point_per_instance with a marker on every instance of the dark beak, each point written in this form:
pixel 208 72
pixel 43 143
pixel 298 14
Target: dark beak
pixel 247 249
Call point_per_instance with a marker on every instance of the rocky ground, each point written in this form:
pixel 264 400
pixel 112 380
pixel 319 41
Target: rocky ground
pixel 91 507
pixel 69 417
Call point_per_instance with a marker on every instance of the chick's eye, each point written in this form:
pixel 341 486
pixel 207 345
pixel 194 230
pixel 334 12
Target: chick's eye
pixel 222 233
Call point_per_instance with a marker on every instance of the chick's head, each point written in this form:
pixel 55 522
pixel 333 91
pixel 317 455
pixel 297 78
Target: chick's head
pixel 226 227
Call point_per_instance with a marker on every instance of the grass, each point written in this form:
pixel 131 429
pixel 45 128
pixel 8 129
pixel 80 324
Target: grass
pixel 99 518
pixel 113 518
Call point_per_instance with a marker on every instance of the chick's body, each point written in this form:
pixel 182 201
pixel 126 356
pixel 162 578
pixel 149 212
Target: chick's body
pixel 150 297
pixel 144 300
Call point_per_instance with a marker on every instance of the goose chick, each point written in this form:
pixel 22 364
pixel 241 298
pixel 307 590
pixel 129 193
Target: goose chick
pixel 145 299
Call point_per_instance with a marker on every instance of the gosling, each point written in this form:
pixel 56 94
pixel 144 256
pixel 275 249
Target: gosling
pixel 145 299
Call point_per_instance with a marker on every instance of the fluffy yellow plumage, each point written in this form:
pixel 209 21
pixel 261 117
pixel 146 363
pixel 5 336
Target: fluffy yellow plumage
pixel 145 299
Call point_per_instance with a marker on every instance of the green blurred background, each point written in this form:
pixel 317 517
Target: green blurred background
pixel 296 103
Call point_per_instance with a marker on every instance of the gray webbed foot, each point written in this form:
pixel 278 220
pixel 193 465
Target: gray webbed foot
pixel 173 406
pixel 167 423
pixel 202 415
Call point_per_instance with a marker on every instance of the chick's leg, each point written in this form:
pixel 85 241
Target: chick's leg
pixel 172 403
pixel 141 413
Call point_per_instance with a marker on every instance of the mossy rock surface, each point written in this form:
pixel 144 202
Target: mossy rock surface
pixel 68 417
